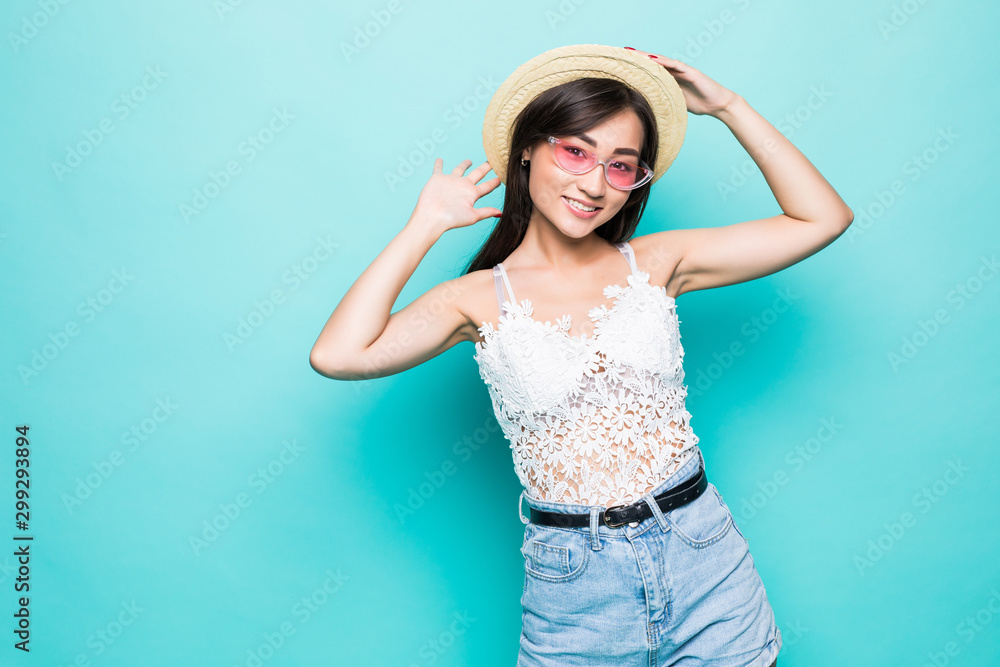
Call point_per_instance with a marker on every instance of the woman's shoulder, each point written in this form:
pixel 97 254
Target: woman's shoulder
pixel 473 294
pixel 659 254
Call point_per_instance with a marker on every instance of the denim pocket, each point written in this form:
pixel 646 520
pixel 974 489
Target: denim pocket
pixel 732 516
pixel 703 521
pixel 739 532
pixel 554 554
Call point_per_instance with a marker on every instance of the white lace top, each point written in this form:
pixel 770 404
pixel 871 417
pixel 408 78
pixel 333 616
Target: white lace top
pixel 596 420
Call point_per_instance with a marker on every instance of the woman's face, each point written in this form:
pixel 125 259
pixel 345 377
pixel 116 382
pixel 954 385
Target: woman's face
pixel 551 187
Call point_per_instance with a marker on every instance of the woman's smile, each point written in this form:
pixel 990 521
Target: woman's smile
pixel 578 208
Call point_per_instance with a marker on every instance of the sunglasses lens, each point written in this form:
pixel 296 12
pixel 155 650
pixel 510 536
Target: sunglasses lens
pixel 621 174
pixel 572 158
pixel 624 175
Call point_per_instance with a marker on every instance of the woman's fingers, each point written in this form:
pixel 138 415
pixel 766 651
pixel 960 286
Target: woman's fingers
pixel 488 186
pixel 483 213
pixel 664 61
pixel 484 169
pixel 459 169
pixel 479 172
pixel 476 175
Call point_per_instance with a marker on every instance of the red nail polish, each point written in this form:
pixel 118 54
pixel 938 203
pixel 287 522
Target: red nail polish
pixel 496 215
pixel 652 56
pixel 630 48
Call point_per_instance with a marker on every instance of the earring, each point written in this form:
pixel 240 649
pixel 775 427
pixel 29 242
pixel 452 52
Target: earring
pixel 523 162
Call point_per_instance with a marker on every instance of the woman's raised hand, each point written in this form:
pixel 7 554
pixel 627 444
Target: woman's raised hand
pixel 448 200
pixel 702 95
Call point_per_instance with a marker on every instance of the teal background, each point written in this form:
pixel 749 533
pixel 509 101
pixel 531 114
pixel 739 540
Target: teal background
pixel 360 448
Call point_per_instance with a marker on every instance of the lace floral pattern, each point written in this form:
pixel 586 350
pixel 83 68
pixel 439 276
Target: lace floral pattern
pixel 592 420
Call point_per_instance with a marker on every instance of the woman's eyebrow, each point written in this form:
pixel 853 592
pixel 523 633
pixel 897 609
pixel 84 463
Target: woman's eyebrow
pixel 624 151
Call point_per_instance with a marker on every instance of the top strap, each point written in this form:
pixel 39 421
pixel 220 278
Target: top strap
pixel 499 273
pixel 500 279
pixel 629 255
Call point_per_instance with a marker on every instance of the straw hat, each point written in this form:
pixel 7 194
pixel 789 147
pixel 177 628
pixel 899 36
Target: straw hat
pixel 567 63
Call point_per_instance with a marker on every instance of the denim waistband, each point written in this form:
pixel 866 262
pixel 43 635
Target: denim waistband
pixel 686 471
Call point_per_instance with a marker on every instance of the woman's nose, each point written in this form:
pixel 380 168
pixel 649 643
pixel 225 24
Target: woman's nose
pixel 594 181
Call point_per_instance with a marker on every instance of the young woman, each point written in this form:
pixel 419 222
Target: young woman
pixel 631 556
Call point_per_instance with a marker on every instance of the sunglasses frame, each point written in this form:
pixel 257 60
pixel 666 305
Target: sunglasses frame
pixel 552 141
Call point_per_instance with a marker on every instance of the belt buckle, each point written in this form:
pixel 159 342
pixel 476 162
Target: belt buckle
pixel 614 525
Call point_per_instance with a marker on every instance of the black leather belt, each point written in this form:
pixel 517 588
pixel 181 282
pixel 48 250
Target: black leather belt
pixel 619 515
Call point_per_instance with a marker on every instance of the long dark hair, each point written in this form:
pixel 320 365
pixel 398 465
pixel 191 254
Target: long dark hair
pixel 567 109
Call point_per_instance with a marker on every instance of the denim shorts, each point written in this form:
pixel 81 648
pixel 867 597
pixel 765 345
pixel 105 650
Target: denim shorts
pixel 678 588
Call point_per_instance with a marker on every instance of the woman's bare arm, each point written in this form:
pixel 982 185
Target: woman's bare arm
pixel 813 214
pixel 362 338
